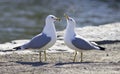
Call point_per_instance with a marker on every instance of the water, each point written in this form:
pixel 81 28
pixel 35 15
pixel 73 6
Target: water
pixel 22 19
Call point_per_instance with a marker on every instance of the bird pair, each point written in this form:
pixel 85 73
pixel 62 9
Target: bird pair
pixel 48 37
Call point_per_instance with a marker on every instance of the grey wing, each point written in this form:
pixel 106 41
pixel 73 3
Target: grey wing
pixel 38 41
pixel 82 44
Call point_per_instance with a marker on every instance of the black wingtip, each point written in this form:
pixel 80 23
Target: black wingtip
pixel 101 48
pixel 17 48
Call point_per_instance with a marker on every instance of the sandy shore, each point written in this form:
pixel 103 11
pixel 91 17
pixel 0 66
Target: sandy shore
pixel 59 57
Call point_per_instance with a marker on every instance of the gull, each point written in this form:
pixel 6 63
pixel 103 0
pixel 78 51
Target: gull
pixel 76 42
pixel 45 39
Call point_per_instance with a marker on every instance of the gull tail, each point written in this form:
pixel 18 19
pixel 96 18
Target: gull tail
pixel 17 48
pixel 101 48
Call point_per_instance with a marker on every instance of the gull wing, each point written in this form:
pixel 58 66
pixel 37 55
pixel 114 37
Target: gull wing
pixel 81 43
pixel 38 41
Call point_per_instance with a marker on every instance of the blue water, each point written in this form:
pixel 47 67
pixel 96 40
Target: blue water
pixel 22 19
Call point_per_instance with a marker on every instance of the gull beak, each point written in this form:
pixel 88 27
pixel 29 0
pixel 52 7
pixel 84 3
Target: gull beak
pixel 58 19
pixel 66 16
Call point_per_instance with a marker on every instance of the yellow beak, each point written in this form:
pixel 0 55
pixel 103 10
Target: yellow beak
pixel 58 19
pixel 66 16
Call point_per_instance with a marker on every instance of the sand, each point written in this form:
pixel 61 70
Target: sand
pixel 59 57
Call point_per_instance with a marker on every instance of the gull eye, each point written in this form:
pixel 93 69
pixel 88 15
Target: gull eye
pixel 52 17
pixel 70 19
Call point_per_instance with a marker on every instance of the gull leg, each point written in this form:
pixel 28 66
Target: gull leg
pixel 75 56
pixel 40 54
pixel 81 56
pixel 45 55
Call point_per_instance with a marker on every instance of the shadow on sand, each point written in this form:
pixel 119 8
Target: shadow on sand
pixel 58 64
pixel 107 42
pixel 32 63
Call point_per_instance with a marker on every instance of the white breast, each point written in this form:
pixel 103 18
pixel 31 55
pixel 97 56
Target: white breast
pixel 68 42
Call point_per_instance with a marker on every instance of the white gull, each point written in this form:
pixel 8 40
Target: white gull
pixel 45 39
pixel 76 42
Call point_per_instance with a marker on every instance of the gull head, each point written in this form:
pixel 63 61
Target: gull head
pixel 70 20
pixel 52 18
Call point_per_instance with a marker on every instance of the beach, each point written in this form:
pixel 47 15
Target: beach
pixel 60 57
